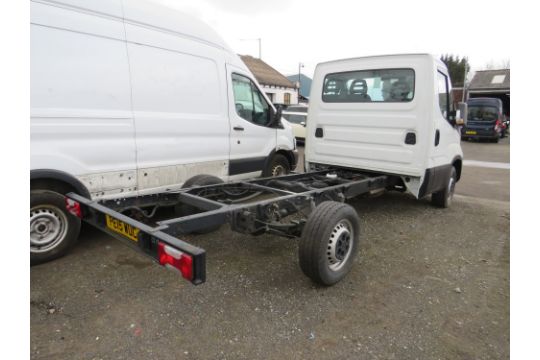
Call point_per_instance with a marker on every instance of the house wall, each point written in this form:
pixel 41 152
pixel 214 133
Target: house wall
pixel 278 94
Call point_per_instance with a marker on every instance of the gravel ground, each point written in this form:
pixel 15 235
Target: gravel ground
pixel 428 284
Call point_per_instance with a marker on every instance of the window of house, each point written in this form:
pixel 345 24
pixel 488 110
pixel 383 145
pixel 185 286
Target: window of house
pixel 287 98
pixel 249 102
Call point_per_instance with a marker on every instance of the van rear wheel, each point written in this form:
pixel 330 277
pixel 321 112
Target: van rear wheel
pixel 186 210
pixel 52 229
pixel 329 242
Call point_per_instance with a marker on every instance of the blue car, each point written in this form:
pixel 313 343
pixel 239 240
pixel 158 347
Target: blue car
pixel 486 119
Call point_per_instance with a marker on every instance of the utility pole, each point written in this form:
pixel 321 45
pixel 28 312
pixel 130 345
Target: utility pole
pixel 300 66
pixel 260 45
pixel 464 81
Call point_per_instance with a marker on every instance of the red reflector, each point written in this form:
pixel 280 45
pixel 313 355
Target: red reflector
pixel 73 207
pixel 168 255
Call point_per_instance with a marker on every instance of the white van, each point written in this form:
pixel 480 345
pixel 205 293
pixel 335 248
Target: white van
pixel 131 98
pixel 390 115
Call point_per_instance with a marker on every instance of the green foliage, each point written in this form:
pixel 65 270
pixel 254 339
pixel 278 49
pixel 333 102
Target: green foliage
pixel 456 67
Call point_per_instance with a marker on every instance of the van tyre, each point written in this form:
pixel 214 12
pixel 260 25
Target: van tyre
pixel 53 230
pixel 329 242
pixel 278 166
pixel 186 210
pixel 443 198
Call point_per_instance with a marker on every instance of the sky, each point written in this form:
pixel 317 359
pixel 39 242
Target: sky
pixel 309 32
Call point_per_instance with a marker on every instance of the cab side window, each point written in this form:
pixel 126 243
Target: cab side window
pixel 249 102
pixel 444 94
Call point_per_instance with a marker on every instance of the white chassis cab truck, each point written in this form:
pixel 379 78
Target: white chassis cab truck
pixel 390 115
pixel 374 124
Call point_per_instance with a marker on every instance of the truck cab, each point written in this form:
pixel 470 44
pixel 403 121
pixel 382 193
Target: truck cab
pixel 389 114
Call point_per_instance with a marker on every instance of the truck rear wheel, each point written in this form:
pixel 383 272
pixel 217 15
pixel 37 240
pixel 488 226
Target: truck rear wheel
pixel 185 210
pixel 52 229
pixel 329 242
pixel 443 198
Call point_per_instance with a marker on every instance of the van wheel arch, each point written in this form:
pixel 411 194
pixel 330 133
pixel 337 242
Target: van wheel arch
pixel 57 181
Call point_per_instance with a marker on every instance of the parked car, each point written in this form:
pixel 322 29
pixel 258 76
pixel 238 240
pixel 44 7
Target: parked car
pixel 131 98
pixel 486 120
pixel 297 116
pixel 505 126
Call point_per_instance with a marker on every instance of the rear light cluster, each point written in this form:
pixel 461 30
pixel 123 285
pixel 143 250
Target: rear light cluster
pixel 175 259
pixel 73 207
pixel 498 124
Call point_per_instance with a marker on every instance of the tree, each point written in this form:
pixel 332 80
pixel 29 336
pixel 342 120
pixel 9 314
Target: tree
pixel 457 67
pixel 492 65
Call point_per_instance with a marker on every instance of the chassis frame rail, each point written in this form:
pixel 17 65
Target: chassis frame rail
pixel 235 203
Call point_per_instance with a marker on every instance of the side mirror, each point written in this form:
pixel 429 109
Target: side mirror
pixel 461 117
pixel 275 115
pixel 452 116
pixel 303 123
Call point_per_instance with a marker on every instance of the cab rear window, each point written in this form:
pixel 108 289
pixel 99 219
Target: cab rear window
pixel 383 85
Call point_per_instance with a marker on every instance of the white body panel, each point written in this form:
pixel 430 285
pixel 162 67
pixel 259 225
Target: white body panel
pixel 81 120
pixel 371 135
pixel 132 98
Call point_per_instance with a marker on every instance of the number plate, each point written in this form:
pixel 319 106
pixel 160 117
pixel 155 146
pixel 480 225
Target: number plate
pixel 470 132
pixel 122 228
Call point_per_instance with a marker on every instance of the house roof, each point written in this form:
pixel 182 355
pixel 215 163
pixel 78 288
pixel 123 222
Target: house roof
pixel 491 80
pixel 264 73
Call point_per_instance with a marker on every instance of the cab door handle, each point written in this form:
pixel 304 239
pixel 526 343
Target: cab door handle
pixel 238 128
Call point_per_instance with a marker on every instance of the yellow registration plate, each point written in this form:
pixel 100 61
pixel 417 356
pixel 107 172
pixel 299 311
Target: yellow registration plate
pixel 122 228
pixel 470 132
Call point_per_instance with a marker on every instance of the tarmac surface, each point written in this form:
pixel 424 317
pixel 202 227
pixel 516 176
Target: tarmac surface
pixel 428 284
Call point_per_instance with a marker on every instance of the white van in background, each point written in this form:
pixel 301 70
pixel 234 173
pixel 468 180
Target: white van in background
pixel 131 98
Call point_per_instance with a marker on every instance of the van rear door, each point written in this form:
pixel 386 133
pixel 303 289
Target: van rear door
pixel 368 114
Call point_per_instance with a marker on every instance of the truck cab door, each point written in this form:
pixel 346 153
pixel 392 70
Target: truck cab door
pixel 252 138
pixel 444 140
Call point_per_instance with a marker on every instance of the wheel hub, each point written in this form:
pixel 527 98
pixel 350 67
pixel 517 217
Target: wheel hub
pixel 339 245
pixel 278 170
pixel 48 227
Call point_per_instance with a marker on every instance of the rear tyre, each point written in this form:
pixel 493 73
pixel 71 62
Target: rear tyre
pixel 329 242
pixel 278 166
pixel 443 198
pixel 53 231
pixel 186 210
